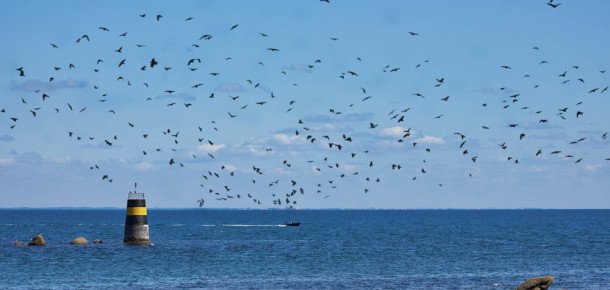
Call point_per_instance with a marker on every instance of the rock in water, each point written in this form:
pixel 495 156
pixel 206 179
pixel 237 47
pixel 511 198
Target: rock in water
pixel 537 283
pixel 97 241
pixel 18 243
pixel 79 241
pixel 38 240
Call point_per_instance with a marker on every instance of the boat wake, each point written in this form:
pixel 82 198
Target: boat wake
pixel 253 225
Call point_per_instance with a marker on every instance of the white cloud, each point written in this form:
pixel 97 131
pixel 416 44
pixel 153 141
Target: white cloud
pixel 430 140
pixel 347 167
pixel 393 132
pixel 249 149
pixel 230 167
pixel 60 160
pixel 7 161
pixel 325 127
pixel 537 169
pixel 276 139
pixel 207 148
pixel 594 167
pixel 256 150
pixel 315 170
pixel 477 171
pixel 33 85
pixel 230 87
pixel 145 166
pixel 288 140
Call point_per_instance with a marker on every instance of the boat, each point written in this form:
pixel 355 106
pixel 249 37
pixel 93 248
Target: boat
pixel 292 224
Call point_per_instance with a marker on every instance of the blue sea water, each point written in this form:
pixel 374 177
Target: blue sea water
pixel 237 249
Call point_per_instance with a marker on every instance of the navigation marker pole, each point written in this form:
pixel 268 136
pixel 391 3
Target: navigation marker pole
pixel 136 221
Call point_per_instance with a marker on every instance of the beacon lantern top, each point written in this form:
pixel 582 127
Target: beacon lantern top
pixel 135 195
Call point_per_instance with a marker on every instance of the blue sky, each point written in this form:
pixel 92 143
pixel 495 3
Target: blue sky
pixel 464 44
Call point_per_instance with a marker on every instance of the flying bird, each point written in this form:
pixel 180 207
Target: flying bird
pixel 192 60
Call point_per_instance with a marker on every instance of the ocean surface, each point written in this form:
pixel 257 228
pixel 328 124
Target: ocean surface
pixel 362 249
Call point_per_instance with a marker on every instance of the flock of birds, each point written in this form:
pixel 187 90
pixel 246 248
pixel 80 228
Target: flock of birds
pixel 216 182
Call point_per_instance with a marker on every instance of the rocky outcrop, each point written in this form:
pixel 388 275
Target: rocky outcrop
pixel 38 240
pixel 18 243
pixel 79 241
pixel 537 283
pixel 97 241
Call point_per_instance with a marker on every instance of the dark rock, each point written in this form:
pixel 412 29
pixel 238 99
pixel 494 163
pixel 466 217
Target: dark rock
pixel 537 283
pixel 38 240
pixel 97 241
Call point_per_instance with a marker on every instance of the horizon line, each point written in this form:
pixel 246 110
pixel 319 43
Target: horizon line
pixel 293 209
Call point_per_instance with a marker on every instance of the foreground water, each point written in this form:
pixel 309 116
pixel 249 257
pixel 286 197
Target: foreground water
pixel 488 249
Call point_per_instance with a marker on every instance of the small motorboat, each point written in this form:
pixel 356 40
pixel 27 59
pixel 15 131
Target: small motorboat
pixel 292 224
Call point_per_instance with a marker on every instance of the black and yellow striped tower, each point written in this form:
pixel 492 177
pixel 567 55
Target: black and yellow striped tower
pixel 136 222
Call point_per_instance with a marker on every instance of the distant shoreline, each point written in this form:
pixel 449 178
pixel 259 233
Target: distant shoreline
pixel 312 209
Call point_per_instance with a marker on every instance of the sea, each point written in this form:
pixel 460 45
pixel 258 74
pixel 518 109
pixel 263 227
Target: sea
pixel 331 249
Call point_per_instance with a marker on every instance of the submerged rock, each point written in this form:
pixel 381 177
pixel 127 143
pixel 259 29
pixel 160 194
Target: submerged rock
pixel 79 241
pixel 18 243
pixel 97 241
pixel 537 283
pixel 38 240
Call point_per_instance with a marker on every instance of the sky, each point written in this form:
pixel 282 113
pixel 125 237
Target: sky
pixel 346 104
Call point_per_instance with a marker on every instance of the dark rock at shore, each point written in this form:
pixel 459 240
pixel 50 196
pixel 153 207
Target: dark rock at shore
pixel 38 240
pixel 537 283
